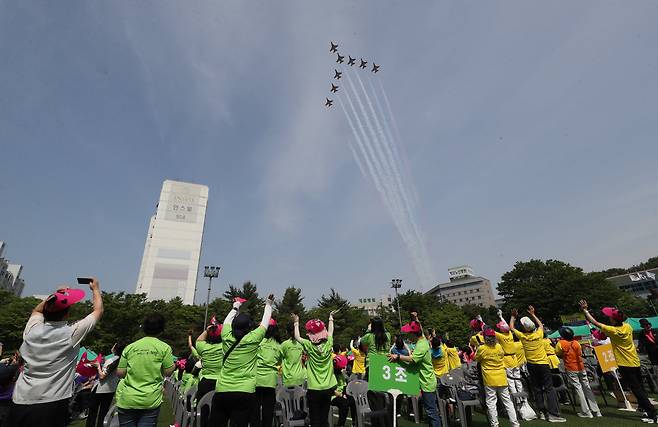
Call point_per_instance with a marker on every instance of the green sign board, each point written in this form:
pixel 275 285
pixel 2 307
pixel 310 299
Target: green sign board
pixel 386 376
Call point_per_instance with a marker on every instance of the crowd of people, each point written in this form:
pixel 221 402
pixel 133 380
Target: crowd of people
pixel 244 362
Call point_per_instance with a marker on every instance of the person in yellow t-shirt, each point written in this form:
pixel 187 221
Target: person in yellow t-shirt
pixel 490 358
pixel 514 358
pixel 541 379
pixel 477 339
pixel 553 360
pixel 439 357
pixel 621 338
pixel 359 364
pixel 454 361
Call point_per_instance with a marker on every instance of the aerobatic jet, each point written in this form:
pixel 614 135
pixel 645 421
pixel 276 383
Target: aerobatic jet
pixel 350 60
pixel 334 47
pixel 375 67
pixel 363 63
pixel 340 58
pixel 338 74
pixel 328 103
pixel 334 88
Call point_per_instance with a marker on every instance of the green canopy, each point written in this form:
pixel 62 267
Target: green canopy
pixel 584 330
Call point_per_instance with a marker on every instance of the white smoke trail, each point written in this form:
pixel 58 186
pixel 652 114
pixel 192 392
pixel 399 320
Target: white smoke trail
pixel 380 153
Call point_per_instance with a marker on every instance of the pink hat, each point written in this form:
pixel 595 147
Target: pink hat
pixel 180 363
pixel 476 324
pixel 315 330
pixel 272 322
pixel 489 332
pixel 240 300
pixel 613 313
pixel 503 327
pixel 85 367
pixel 599 335
pixel 63 298
pixel 340 361
pixel 412 326
pixel 215 330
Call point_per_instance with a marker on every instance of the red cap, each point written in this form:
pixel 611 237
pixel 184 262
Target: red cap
pixel 599 335
pixel 216 331
pixel 340 361
pixel 412 326
pixel 613 313
pixel 502 327
pixel 315 330
pixel 476 324
pixel 272 322
pixel 63 298
pixel 489 332
pixel 240 300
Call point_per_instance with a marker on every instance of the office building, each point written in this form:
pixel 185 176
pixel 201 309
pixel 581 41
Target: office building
pixel 170 263
pixel 10 274
pixel 639 283
pixel 372 305
pixel 464 288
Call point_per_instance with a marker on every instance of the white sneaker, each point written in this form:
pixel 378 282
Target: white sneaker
pixel 554 419
pixel 598 414
pixel 581 415
pixel 541 416
pixel 648 420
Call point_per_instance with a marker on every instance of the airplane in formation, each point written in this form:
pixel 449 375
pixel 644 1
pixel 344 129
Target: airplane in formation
pixel 340 58
pixel 351 60
pixel 363 63
pixel 334 88
pixel 328 103
pixel 334 47
pixel 375 67
pixel 338 74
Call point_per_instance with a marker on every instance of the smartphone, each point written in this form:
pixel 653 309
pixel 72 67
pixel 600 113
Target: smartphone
pixel 84 280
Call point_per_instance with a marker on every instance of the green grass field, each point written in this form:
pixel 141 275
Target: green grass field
pixel 611 418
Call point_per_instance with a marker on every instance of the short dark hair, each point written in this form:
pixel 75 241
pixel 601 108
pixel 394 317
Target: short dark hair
pixel 154 324
pixel 55 316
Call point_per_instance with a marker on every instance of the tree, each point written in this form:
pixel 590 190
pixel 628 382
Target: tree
pixel 554 288
pixel 349 323
pixel 290 303
pixel 254 304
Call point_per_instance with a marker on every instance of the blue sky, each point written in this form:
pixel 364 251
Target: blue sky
pixel 530 129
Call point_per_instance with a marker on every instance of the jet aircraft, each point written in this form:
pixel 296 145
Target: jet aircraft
pixel 351 60
pixel 334 47
pixel 340 58
pixel 375 67
pixel 363 63
pixel 328 103
pixel 334 88
pixel 338 74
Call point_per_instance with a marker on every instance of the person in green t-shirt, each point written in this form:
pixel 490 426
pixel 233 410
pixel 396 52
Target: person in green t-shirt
pixel 293 371
pixel 210 350
pixel 267 375
pixel 422 356
pixel 376 339
pixel 143 365
pixel 236 388
pixel 319 366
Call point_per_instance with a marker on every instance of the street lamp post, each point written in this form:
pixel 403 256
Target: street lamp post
pixel 397 284
pixel 210 272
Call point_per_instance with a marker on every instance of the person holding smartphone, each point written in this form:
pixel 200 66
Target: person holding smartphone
pixel 50 350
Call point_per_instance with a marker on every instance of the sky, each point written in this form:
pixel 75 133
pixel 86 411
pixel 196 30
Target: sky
pixel 529 128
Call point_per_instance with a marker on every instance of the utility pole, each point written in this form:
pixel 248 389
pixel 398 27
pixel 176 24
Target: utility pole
pixel 210 272
pixel 397 284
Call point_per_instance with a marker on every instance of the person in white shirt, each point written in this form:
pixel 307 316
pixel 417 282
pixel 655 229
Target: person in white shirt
pixel 50 349
pixel 103 392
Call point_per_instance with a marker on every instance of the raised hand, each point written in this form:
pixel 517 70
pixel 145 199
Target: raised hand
pixel 583 304
pixel 531 310
pixel 515 312
pixel 294 317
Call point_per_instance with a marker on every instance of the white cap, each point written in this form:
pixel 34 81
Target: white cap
pixel 528 324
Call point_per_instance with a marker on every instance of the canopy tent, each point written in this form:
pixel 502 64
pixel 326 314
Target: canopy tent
pixel 584 330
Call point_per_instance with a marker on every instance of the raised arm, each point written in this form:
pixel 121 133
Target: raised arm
pixel 201 337
pixel 330 327
pixel 502 319
pixel 295 320
pixel 232 313
pixel 97 298
pixel 531 312
pixel 512 320
pixel 189 340
pixel 267 313
pixel 589 317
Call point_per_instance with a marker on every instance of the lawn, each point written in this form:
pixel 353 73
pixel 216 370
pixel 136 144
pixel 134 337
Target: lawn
pixel 611 417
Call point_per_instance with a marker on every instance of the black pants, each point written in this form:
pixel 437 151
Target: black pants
pixel 263 412
pixel 319 402
pixel 205 385
pixel 233 406
pixel 541 380
pixel 632 378
pixel 344 404
pixel 51 414
pixel 98 407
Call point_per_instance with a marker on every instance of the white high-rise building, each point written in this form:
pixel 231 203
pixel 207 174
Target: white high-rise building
pixel 170 264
